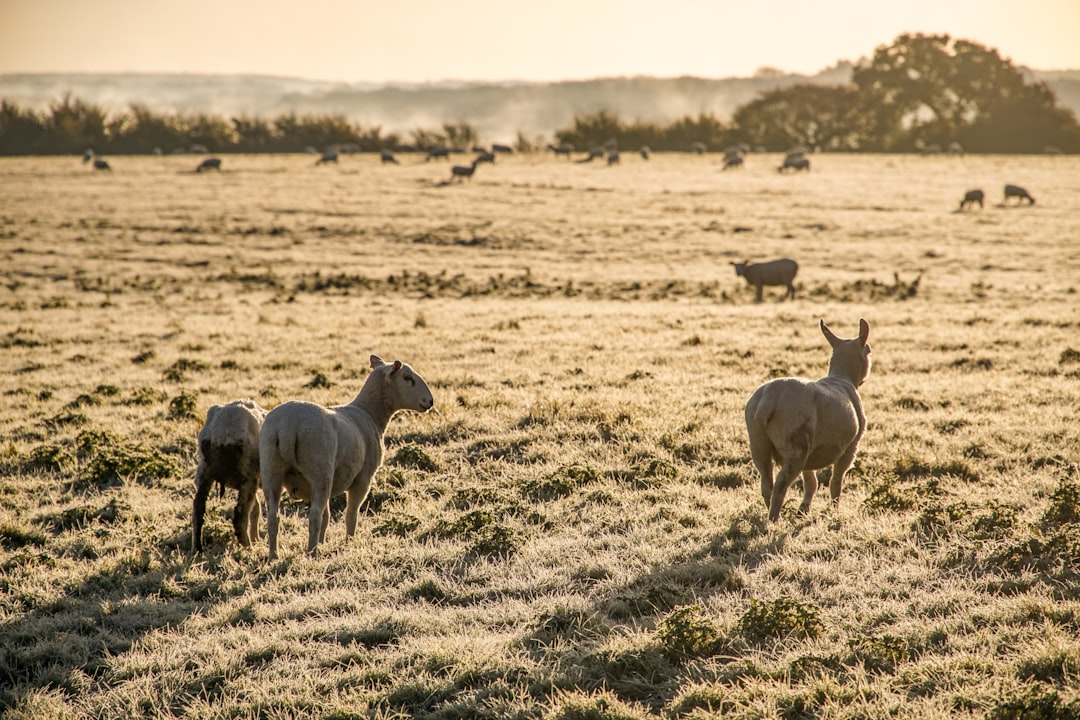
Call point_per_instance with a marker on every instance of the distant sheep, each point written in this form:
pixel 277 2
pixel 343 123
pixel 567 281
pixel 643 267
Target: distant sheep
pixel 971 197
pixel 773 273
pixel 806 426
pixel 229 456
pixel 329 155
pixel 504 149
pixel 387 156
pixel 733 160
pixel 613 157
pixel 644 151
pixel 318 452
pixel 435 153
pixel 794 162
pixel 1021 195
pixel 209 164
pixel 100 164
pixel 564 149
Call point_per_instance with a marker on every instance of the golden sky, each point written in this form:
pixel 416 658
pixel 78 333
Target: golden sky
pixel 422 40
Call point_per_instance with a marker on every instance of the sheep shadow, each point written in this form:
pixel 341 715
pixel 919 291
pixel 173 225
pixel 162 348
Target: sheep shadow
pixel 58 644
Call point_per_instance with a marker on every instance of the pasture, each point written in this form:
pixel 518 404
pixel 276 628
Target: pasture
pixel 578 532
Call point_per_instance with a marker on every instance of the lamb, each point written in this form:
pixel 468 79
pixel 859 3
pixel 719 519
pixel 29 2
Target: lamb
pixel 318 452
pixel 806 426
pixel 774 272
pixel 971 197
pixel 1019 193
pixel 229 455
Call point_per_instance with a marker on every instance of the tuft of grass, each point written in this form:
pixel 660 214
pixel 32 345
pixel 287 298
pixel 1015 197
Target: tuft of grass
pixel 688 632
pixel 413 456
pixel 183 406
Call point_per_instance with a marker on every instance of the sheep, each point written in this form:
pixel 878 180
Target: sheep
pixel 329 155
pixel 1019 193
pixel 644 151
pixel 464 172
pixel 697 148
pixel 564 149
pixel 806 426
pixel 504 149
pixel 774 272
pixel 971 197
pixel 795 162
pixel 485 156
pixel 318 452
pixel 437 152
pixel 613 158
pixel 209 164
pixel 100 164
pixel 229 455
pixel 733 160
pixel 596 152
pixel 387 156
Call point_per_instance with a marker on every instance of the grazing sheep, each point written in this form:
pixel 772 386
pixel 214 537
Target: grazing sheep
pixel 437 152
pixel 795 162
pixel 87 155
pixel 100 164
pixel 774 272
pixel 504 149
pixel 318 452
pixel 229 455
pixel 329 155
pixel 1015 191
pixel 613 158
pixel 971 197
pixel 733 160
pixel 644 151
pixel 485 156
pixel 564 149
pixel 596 152
pixel 806 426
pixel 209 164
pixel 387 156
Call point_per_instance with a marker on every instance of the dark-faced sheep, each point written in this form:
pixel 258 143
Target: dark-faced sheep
pixel 209 164
pixel 806 426
pixel 1021 195
pixel 971 197
pixel 317 452
pixel 229 456
pixel 773 273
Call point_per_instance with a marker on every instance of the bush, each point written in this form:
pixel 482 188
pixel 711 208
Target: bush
pixel 780 618
pixel 687 633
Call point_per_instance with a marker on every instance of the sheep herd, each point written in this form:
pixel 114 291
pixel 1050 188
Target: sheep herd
pixel 317 452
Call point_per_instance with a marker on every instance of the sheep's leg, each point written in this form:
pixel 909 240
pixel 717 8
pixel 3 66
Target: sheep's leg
pixel 790 291
pixel 761 450
pixel 245 529
pixel 788 472
pixel 809 480
pixel 760 289
pixel 317 516
pixel 272 492
pixel 253 520
pixel 202 491
pixel 840 468
pixel 352 507
pixel 325 521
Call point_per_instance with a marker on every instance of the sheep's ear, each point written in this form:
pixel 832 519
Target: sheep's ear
pixel 397 366
pixel 864 331
pixel 376 361
pixel 828 334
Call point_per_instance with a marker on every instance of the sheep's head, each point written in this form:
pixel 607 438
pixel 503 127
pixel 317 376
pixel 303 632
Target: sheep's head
pixel 850 357
pixel 740 268
pixel 405 389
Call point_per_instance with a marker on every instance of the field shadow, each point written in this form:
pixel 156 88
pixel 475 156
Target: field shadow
pixel 65 643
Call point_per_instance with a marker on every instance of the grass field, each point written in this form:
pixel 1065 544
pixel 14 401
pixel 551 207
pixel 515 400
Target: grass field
pixel 578 532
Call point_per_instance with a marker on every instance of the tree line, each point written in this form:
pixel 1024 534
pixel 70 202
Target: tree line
pixel 919 92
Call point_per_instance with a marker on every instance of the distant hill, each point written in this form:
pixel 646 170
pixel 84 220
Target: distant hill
pixel 497 110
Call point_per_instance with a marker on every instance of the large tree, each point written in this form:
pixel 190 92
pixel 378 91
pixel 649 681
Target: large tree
pixel 932 89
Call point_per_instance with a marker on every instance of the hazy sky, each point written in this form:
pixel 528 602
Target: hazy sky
pixel 430 40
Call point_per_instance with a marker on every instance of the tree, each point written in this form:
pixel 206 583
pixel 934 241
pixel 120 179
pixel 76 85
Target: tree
pixel 817 117
pixel 931 89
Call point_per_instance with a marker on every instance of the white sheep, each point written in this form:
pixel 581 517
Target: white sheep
pixel 229 455
pixel 806 426
pixel 775 272
pixel 318 452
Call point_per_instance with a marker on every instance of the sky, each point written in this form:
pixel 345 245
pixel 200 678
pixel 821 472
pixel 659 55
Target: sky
pixel 418 41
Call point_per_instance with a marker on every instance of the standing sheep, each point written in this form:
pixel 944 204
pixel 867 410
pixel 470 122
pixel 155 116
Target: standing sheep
pixel 774 272
pixel 806 426
pixel 318 452
pixel 229 455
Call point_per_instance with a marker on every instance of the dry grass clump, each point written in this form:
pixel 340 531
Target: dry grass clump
pixel 579 533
